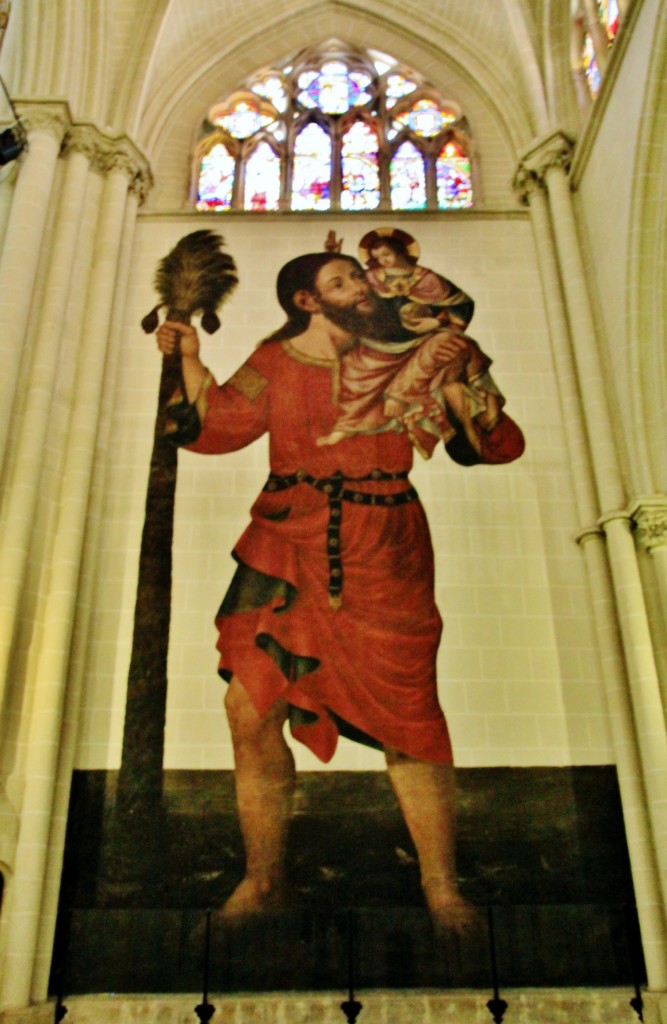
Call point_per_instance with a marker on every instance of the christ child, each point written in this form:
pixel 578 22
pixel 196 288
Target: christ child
pixel 419 372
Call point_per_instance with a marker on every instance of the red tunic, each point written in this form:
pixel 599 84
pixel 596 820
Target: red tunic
pixel 367 668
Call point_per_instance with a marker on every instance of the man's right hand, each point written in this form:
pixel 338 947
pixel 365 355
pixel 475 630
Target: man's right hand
pixel 176 337
pixel 450 347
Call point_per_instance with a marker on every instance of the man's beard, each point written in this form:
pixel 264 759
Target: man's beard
pixel 381 322
pixel 349 318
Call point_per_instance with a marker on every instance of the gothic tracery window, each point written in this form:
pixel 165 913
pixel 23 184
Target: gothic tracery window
pixel 338 129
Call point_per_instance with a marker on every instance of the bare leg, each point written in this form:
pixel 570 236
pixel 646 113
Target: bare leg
pixel 426 794
pixel 265 780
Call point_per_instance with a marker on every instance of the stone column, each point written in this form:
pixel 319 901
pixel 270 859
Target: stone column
pixel 30 436
pixel 66 754
pixel 46 125
pixel 121 165
pixel 529 182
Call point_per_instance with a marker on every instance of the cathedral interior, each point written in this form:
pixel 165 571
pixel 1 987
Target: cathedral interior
pixel 523 145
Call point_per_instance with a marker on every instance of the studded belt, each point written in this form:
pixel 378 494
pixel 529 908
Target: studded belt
pixel 337 489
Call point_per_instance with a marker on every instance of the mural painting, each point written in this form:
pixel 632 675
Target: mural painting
pixel 330 626
pixel 330 620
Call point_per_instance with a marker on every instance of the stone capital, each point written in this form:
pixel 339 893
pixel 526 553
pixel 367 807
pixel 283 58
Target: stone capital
pixel 108 153
pixel 44 116
pixel 82 138
pixel 525 184
pixel 553 150
pixel 649 515
pixel 121 154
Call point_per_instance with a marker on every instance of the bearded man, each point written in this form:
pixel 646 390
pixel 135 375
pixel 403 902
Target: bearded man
pixel 330 620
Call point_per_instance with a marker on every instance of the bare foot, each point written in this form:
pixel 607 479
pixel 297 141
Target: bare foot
pixel 449 910
pixel 249 899
pixel 252 897
pixel 333 438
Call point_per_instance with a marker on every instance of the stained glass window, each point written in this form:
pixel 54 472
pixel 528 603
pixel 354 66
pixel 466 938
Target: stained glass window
pixel 594 42
pixel 334 88
pixel 453 180
pixel 361 168
pixel 262 179
pixel 425 118
pixel 311 180
pixel 407 178
pixel 333 128
pixel 397 87
pixel 216 179
pixel 245 118
pixel 591 70
pixel 272 89
pixel 609 16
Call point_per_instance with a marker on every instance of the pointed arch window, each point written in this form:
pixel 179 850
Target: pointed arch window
pixel 407 178
pixel 216 178
pixel 360 167
pixel 452 175
pixel 336 128
pixel 311 181
pixel 262 179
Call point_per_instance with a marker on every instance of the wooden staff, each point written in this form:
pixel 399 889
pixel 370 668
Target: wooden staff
pixel 195 277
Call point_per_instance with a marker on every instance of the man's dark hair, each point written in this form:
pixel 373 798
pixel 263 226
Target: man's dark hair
pixel 298 275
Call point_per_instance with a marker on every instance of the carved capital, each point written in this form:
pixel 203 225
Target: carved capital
pixel 37 116
pixel 82 138
pixel 526 183
pixel 121 154
pixel 649 515
pixel 110 153
pixel 554 150
pixel 142 183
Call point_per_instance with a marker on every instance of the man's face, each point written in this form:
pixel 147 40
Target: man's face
pixel 343 295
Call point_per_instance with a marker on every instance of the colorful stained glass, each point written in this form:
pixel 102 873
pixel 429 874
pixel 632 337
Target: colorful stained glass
pixel 262 180
pixel 334 89
pixel 396 87
pixel 425 118
pixel 453 179
pixel 590 66
pixel 609 16
pixel 216 179
pixel 311 175
pixel 272 89
pixel 269 140
pixel 360 166
pixel 244 119
pixel 407 178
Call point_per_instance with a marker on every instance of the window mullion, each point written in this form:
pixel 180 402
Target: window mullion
pixel 336 169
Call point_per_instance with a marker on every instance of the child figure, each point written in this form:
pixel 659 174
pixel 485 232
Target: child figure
pixel 420 368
